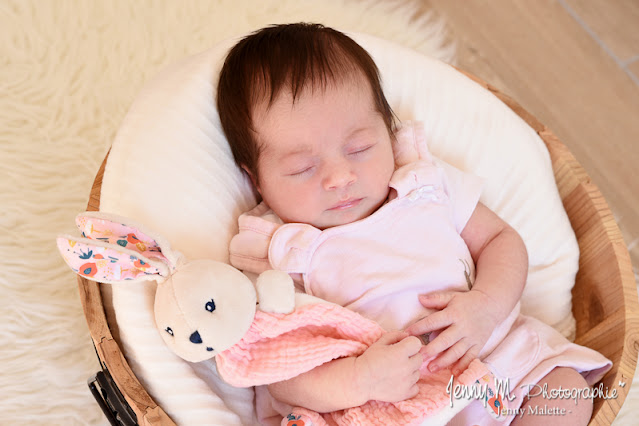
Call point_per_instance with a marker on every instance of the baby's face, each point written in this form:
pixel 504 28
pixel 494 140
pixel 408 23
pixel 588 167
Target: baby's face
pixel 327 159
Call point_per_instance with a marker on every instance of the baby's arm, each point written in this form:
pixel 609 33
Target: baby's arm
pixel 387 371
pixel 500 257
pixel 468 318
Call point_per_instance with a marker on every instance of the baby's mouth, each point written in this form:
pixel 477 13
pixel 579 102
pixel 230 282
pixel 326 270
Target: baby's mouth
pixel 350 203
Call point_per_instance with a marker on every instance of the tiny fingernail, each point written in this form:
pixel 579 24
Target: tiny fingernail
pixel 433 368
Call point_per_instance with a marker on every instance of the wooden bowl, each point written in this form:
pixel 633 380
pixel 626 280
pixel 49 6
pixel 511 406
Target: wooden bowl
pixel 604 297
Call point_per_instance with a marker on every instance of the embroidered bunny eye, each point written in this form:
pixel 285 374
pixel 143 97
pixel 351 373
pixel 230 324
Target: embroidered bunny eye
pixel 210 306
pixel 169 330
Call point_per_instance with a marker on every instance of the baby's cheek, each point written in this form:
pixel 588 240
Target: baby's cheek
pixel 299 207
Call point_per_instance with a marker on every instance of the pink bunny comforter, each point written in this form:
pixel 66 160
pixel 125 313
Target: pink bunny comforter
pixel 278 347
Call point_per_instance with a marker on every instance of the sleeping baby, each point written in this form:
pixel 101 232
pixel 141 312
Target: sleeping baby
pixel 357 210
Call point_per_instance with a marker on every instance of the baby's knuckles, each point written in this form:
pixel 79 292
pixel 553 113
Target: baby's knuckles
pixel 386 372
pixel 412 344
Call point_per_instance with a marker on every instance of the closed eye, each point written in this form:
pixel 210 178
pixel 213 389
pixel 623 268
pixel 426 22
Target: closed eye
pixel 303 171
pixel 361 150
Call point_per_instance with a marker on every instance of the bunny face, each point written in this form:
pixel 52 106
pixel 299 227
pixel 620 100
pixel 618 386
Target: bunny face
pixel 201 308
pixel 204 308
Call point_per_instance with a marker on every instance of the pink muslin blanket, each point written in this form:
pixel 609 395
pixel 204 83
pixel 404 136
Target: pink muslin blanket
pixel 278 347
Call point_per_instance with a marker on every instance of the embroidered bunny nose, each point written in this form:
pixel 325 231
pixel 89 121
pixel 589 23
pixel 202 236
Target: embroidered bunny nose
pixel 195 337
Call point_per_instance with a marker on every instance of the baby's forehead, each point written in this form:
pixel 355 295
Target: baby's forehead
pixel 265 94
pixel 281 127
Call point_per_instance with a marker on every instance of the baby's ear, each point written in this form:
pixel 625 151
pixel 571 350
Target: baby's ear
pixel 252 177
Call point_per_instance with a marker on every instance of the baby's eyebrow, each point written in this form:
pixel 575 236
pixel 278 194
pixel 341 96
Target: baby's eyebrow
pixel 302 150
pixel 357 131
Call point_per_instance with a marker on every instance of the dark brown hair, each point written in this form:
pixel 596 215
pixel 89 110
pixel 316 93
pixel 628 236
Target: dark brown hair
pixel 299 55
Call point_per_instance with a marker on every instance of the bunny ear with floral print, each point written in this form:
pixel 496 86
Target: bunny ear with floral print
pixel 119 231
pixel 108 263
pixel 115 249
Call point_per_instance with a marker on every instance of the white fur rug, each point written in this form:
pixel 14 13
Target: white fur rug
pixel 69 71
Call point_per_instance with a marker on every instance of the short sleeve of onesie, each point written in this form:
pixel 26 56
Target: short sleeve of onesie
pixel 463 189
pixel 248 250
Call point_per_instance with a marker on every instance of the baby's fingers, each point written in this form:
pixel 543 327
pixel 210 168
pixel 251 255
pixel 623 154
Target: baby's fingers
pixel 409 346
pixel 410 393
pixel 465 361
pixel 392 337
pixel 436 299
pixel 445 340
pixel 453 354
pixel 434 321
pixel 416 362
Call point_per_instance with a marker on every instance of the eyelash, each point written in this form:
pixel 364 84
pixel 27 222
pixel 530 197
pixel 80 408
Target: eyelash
pixel 361 150
pixel 301 172
pixel 308 169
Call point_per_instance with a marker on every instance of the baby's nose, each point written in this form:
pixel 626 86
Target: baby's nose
pixel 339 177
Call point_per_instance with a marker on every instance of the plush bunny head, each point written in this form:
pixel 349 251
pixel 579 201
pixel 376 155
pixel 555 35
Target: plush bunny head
pixel 204 308
pixel 201 307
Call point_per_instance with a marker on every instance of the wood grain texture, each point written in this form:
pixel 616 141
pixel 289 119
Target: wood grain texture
pixel 110 354
pixel 539 54
pixel 616 26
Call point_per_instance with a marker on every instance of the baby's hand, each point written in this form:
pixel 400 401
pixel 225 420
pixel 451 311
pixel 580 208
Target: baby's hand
pixel 467 319
pixel 389 369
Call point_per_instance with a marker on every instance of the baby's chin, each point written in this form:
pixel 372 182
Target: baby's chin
pixel 329 219
pixel 331 224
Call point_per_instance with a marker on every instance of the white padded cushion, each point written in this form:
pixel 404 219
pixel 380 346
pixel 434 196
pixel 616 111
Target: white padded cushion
pixel 171 169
